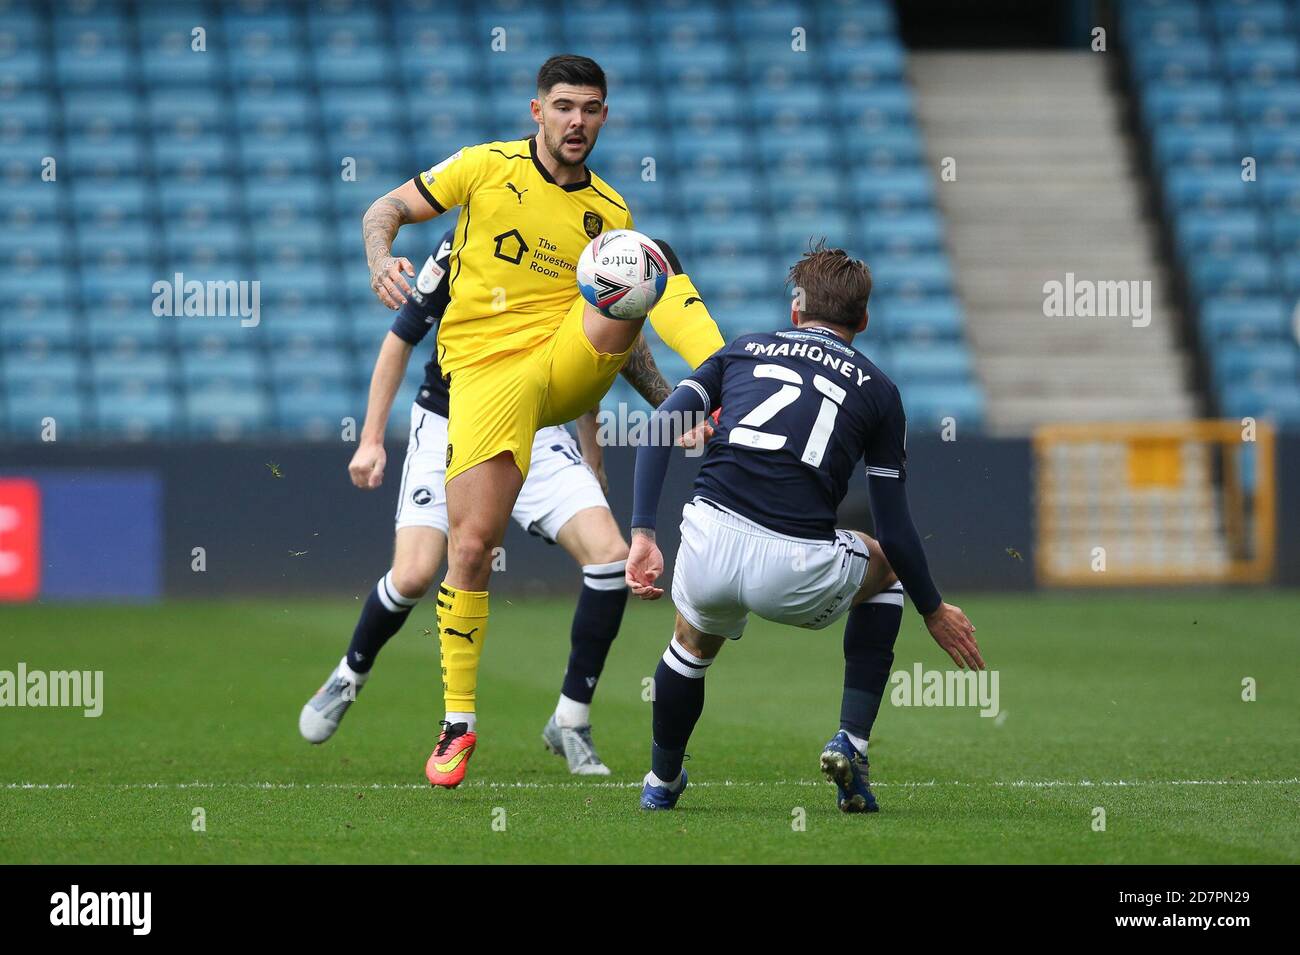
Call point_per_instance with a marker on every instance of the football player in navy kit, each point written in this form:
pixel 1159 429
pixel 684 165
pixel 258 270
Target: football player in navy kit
pixel 799 409
pixel 562 501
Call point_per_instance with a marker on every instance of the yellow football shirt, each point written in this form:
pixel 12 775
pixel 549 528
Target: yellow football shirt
pixel 514 259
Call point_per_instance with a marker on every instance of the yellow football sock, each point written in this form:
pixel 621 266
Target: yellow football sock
pixel 462 625
pixel 688 330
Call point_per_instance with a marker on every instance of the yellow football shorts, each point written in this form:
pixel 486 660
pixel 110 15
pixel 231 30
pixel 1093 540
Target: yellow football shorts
pixel 499 403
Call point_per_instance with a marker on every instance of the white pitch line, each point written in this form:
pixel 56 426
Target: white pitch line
pixel 929 784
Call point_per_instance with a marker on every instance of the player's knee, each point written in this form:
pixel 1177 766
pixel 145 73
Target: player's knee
pixel 880 562
pixel 608 551
pixel 470 553
pixel 412 582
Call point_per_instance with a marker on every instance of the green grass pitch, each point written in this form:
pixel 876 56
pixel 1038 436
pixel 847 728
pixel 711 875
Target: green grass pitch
pixel 1131 703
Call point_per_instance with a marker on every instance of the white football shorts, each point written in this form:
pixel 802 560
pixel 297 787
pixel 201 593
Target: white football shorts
pixel 727 567
pixel 559 483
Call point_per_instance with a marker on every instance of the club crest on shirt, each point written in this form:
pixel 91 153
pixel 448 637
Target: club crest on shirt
pixel 448 454
pixel 592 224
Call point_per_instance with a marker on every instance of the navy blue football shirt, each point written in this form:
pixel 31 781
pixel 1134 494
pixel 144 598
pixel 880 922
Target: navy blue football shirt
pixel 800 409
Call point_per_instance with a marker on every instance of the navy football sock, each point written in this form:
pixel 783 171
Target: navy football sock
pixel 383 614
pixel 869 636
pixel 678 703
pixel 596 620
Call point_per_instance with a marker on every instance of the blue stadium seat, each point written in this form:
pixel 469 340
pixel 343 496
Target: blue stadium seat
pixel 918 320
pixel 227 415
pixel 928 404
pixel 170 59
pixel 38 328
pixel 1212 188
pixel 911 188
pixel 1259 365
pixel 144 373
pixel 1244 319
pixel 1202 145
pixel 1281 189
pixel 1238 230
pixel 100 111
pixel 316 415
pixel 1284 229
pixel 121 156
pixel 1247 273
pixel 1250 21
pixel 1275 403
pixel 1276 148
pixel 893 146
pixel 138 417
pixel 27 415
pixel 1174 61
pixel 133 331
pixel 696 67
pixel 1186 103
pixel 912 276
pixel 906 232
pixel 104 68
pixel 1264 61
pixel 231 369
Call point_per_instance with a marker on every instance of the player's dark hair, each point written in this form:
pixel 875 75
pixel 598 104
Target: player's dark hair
pixel 572 69
pixel 835 286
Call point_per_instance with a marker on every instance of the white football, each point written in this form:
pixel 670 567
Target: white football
pixel 622 274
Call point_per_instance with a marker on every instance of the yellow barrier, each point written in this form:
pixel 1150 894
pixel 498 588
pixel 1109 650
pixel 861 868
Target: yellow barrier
pixel 1124 504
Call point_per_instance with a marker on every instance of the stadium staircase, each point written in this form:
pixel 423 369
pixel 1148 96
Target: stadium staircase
pixel 1041 191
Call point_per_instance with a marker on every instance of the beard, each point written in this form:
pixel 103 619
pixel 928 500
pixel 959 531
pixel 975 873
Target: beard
pixel 555 148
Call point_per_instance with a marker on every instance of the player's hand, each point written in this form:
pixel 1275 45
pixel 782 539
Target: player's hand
pixel 698 436
pixel 645 565
pixel 388 283
pixel 953 631
pixel 367 466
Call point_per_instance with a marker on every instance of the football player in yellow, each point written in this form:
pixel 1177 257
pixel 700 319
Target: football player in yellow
pixel 520 346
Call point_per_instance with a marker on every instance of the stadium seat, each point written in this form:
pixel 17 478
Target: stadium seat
pixel 226 164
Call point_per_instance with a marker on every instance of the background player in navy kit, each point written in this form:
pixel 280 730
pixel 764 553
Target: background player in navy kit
pixel 563 501
pixel 800 409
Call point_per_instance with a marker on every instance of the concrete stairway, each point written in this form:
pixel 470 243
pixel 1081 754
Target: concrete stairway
pixel 1044 187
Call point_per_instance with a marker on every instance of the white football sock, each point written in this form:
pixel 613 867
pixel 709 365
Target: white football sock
pixel 654 780
pixel 858 742
pixel 571 713
pixel 350 674
pixel 454 718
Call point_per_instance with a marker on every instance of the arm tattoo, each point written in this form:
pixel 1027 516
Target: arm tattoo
pixel 643 374
pixel 379 227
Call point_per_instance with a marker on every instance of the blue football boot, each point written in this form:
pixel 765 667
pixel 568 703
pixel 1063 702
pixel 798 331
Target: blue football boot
pixel 844 766
pixel 661 797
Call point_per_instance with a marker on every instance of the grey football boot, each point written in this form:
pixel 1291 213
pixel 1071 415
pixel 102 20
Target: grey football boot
pixel 321 715
pixel 574 744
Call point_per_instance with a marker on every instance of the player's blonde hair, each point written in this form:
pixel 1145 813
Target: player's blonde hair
pixel 835 286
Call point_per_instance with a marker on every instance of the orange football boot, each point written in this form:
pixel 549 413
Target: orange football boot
pixel 446 766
